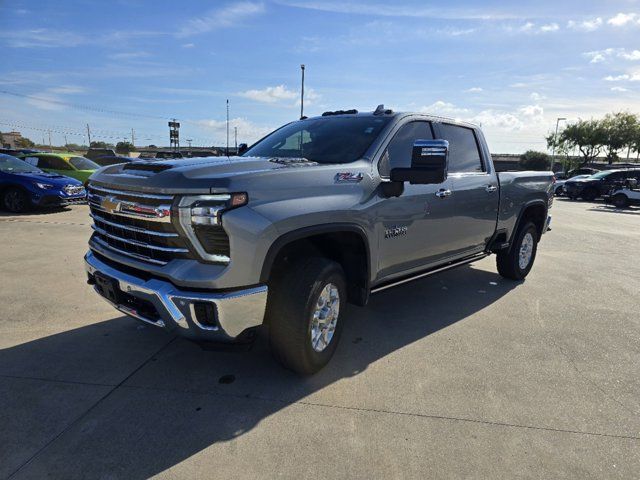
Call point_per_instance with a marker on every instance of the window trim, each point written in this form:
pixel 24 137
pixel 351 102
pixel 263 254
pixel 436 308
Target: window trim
pixel 392 135
pixel 481 153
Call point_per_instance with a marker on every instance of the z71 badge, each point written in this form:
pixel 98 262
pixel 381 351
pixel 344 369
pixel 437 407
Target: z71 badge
pixel 395 231
pixel 349 177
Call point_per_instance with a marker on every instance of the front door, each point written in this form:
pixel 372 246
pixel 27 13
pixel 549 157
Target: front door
pixel 414 229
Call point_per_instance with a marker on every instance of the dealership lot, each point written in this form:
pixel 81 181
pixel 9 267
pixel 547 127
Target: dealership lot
pixel 464 374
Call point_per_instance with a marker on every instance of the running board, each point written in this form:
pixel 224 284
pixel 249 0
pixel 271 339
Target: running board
pixel 429 272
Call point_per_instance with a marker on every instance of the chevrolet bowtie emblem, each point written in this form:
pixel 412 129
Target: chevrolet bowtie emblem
pixel 110 204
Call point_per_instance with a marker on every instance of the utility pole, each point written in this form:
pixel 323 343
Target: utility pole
pixel 235 133
pixel 189 142
pixel 50 147
pixel 302 94
pixel 89 135
pixel 227 127
pixel 133 138
pixel 66 142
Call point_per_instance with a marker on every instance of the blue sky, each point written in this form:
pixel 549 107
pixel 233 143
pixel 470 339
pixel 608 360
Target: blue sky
pixel 118 65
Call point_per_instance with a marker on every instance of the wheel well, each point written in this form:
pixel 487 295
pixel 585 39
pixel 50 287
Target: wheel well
pixel 536 214
pixel 347 248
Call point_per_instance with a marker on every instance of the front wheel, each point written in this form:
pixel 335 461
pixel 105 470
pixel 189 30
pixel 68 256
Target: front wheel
pixel 589 195
pixel 516 262
pixel 620 200
pixel 303 314
pixel 15 200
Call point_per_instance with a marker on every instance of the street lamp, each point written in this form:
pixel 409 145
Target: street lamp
pixel 555 139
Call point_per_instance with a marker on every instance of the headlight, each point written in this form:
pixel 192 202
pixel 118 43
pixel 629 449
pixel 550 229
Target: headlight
pixel 200 217
pixel 208 209
pixel 43 186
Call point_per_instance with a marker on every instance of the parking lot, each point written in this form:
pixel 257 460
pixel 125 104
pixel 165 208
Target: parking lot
pixel 463 374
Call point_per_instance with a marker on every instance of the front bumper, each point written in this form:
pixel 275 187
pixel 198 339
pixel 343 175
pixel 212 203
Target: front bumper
pixel 213 315
pixel 58 200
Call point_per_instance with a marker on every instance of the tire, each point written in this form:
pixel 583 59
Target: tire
pixel 589 195
pixel 572 197
pixel 508 262
pixel 290 311
pixel 620 200
pixel 15 200
pixel 558 191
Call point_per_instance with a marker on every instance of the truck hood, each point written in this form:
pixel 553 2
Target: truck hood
pixel 49 178
pixel 220 174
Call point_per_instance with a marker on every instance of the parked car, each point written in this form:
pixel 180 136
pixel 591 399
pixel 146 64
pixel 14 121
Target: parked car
pixel 558 187
pixel 623 196
pixel 169 155
pixel 597 185
pixel 582 171
pixel 22 186
pixel 94 153
pixel 111 160
pixel 67 164
pixel 321 212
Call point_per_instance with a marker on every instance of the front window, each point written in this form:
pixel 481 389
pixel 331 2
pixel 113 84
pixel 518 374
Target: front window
pixel 322 140
pixel 9 164
pixel 600 175
pixel 81 163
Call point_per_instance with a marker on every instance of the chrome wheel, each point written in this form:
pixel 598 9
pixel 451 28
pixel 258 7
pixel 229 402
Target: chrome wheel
pixel 526 251
pixel 325 317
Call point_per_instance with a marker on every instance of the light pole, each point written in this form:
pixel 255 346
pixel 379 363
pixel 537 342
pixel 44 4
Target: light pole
pixel 302 94
pixel 227 127
pixel 555 139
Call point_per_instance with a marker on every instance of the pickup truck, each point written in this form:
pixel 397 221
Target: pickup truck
pixel 321 212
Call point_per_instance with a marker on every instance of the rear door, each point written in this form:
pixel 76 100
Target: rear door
pixel 415 228
pixel 475 188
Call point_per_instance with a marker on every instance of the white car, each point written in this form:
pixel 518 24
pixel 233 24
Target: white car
pixel 558 187
pixel 623 197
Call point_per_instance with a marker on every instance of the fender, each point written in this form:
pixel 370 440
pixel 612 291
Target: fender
pixel 310 231
pixel 523 209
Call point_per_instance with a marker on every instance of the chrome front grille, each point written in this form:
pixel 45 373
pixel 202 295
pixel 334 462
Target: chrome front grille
pixel 135 224
pixel 73 189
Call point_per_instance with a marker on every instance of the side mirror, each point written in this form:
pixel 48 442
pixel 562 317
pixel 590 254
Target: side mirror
pixel 429 163
pixel 243 147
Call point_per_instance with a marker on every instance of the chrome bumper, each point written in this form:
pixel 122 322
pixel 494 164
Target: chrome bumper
pixel 234 311
pixel 547 225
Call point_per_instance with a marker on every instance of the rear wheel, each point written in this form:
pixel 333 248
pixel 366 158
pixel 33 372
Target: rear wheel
pixel 559 190
pixel 620 200
pixel 589 194
pixel 516 262
pixel 15 200
pixel 303 314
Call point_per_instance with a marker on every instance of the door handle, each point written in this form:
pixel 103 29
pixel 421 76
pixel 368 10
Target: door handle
pixel 443 193
pixel 491 188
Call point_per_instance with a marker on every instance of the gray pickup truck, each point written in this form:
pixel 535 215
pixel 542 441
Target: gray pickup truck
pixel 321 212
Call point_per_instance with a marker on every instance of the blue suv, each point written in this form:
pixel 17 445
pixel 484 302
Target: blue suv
pixel 23 186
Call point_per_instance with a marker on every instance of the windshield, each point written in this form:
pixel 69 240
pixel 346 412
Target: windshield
pixel 9 164
pixel 82 163
pixel 322 140
pixel 600 175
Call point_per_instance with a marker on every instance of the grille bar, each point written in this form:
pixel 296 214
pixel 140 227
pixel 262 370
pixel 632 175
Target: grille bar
pixel 137 256
pixel 144 231
pixel 137 243
pixel 132 194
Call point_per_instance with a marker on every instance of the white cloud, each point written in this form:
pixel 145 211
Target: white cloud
pixel 585 25
pixel 625 77
pixel 228 16
pixel 188 45
pixel 498 119
pixel 280 94
pixel 129 55
pixel 619 89
pixel 42 37
pixel 600 56
pixel 474 90
pixel 67 89
pixel 621 19
pixel 248 132
pixel 634 55
pixel 551 27
pixel 532 112
pixel 445 109
pixel 536 97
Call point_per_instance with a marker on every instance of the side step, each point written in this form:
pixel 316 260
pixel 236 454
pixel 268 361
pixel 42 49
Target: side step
pixel 418 276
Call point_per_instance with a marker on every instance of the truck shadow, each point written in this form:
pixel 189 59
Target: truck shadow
pixel 611 209
pixel 186 399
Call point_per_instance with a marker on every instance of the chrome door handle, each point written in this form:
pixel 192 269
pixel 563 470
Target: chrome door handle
pixel 443 193
pixel 491 188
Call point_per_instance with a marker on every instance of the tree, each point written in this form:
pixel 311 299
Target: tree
pixel 24 142
pixel 532 160
pixel 124 147
pixel 74 147
pixel 101 145
pixel 589 136
pixel 619 131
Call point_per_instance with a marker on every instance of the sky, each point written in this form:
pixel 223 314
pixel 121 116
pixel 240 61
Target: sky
pixel 512 67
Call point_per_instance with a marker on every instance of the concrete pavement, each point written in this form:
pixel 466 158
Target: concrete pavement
pixel 463 374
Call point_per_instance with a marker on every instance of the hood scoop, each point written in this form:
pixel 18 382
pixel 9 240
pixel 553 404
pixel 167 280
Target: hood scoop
pixel 293 162
pixel 147 167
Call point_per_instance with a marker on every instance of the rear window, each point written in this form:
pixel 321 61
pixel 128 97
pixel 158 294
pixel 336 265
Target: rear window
pixel 82 163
